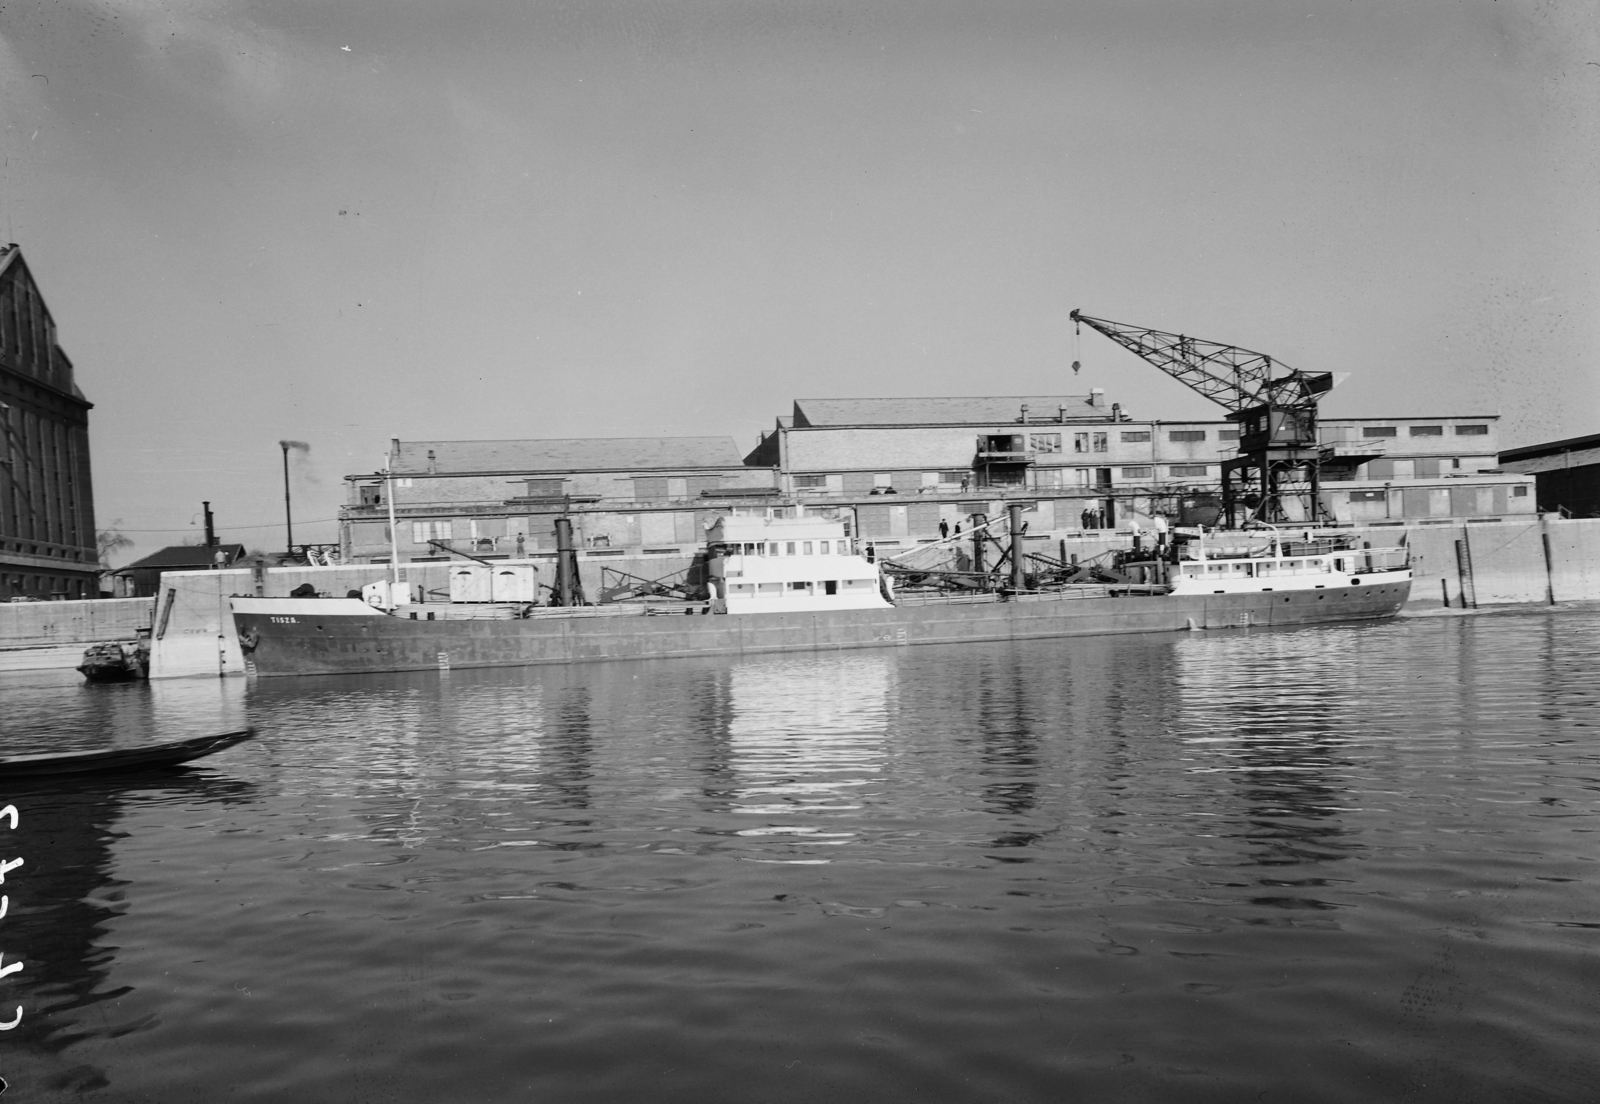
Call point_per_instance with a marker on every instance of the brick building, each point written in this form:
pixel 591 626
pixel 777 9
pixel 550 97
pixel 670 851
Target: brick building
pixel 47 535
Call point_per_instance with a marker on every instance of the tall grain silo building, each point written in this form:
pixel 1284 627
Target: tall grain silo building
pixel 47 535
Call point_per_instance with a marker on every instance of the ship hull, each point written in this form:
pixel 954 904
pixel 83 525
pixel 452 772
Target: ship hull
pixel 307 644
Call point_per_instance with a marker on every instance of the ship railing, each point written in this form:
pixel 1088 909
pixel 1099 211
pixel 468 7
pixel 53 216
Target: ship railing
pixel 1066 593
pixel 1385 559
pixel 486 611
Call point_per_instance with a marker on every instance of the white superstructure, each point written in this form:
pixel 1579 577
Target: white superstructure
pixel 790 565
pixel 1267 559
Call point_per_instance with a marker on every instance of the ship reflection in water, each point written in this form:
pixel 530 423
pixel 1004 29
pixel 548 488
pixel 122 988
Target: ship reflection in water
pixel 1333 864
pixel 806 736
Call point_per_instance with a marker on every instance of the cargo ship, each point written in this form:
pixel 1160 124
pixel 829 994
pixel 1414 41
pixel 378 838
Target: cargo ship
pixel 803 584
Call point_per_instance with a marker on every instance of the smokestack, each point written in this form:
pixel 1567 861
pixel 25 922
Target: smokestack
pixel 1116 412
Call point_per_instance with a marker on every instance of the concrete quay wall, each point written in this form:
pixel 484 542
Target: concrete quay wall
pixel 1473 564
pixel 41 636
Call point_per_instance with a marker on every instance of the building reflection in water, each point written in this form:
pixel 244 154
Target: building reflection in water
pixel 1266 710
pixel 62 905
pixel 805 738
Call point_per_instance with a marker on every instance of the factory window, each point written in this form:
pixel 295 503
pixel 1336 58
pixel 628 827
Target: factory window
pixel 1427 431
pixel 1137 473
pixel 883 479
pixel 1083 477
pixel 805 548
pixel 1080 442
pixel 844 548
pixel 1186 435
pixel 953 477
pixel 802 482
pixel 424 531
pixel 1472 431
pixel 1519 492
pixel 1044 442
pixel 1135 436
pixel 372 496
pixel 788 548
pixel 1186 469
pixel 545 488
pixel 1227 434
pixel 1379 431
pixel 1100 442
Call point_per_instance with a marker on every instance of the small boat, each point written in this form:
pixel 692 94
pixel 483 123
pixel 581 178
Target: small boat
pixel 118 661
pixel 149 757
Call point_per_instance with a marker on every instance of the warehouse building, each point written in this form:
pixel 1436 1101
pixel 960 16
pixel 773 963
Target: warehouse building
pixel 1566 474
pixel 500 499
pixel 899 471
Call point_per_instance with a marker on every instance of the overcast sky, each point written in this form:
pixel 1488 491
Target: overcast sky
pixel 346 222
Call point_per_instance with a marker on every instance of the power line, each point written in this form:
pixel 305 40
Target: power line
pixel 224 528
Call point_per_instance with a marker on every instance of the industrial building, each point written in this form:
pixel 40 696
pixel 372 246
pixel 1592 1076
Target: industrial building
pixel 1080 464
pixel 1566 474
pixel 896 469
pixel 500 499
pixel 47 534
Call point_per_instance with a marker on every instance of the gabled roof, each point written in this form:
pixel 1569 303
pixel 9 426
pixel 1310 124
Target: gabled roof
pixel 567 454
pixel 183 555
pixel 1551 448
pixel 973 411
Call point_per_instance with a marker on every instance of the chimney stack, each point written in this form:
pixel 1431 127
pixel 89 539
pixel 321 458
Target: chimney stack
pixel 1024 413
pixel 1097 396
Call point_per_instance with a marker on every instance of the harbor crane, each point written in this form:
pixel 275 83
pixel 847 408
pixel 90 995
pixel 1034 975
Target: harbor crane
pixel 1275 408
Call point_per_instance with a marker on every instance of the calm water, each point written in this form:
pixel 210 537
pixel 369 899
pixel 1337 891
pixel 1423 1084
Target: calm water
pixel 1338 864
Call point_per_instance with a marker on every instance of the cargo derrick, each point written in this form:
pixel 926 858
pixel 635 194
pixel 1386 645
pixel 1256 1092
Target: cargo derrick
pixel 990 558
pixel 1276 415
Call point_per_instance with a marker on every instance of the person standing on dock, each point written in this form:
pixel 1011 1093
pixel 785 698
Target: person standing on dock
pixel 944 529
